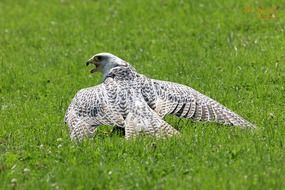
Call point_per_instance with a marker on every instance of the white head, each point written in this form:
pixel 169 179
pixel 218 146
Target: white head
pixel 104 62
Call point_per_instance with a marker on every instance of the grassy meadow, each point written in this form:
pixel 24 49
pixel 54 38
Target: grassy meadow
pixel 233 51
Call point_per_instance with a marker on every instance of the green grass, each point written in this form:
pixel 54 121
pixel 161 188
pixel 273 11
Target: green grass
pixel 232 51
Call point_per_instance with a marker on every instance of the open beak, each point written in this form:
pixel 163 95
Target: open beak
pixel 94 63
pixel 90 61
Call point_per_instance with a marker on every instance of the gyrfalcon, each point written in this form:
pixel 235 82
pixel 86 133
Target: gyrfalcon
pixel 138 104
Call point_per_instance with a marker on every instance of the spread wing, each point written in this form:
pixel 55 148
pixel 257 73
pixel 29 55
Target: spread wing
pixel 89 109
pixel 143 120
pixel 183 101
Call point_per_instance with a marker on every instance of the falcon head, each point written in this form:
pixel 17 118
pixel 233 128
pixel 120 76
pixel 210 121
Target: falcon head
pixel 104 62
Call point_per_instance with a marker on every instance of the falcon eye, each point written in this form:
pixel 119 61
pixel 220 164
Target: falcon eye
pixel 99 58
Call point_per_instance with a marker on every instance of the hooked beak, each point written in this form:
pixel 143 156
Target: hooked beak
pixel 91 61
pixel 88 62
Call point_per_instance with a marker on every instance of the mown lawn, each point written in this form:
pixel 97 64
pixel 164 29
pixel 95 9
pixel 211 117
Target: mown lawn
pixel 232 51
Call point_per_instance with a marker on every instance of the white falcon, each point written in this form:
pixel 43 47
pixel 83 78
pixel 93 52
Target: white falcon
pixel 138 104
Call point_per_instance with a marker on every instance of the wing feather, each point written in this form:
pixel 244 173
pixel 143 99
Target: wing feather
pixel 89 109
pixel 183 101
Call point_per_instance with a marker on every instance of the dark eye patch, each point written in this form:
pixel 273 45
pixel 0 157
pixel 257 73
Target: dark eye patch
pixel 99 57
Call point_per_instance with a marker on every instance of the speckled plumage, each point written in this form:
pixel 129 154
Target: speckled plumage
pixel 137 103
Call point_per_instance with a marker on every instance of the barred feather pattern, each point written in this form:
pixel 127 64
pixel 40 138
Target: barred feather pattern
pixel 115 102
pixel 183 101
pixel 137 103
